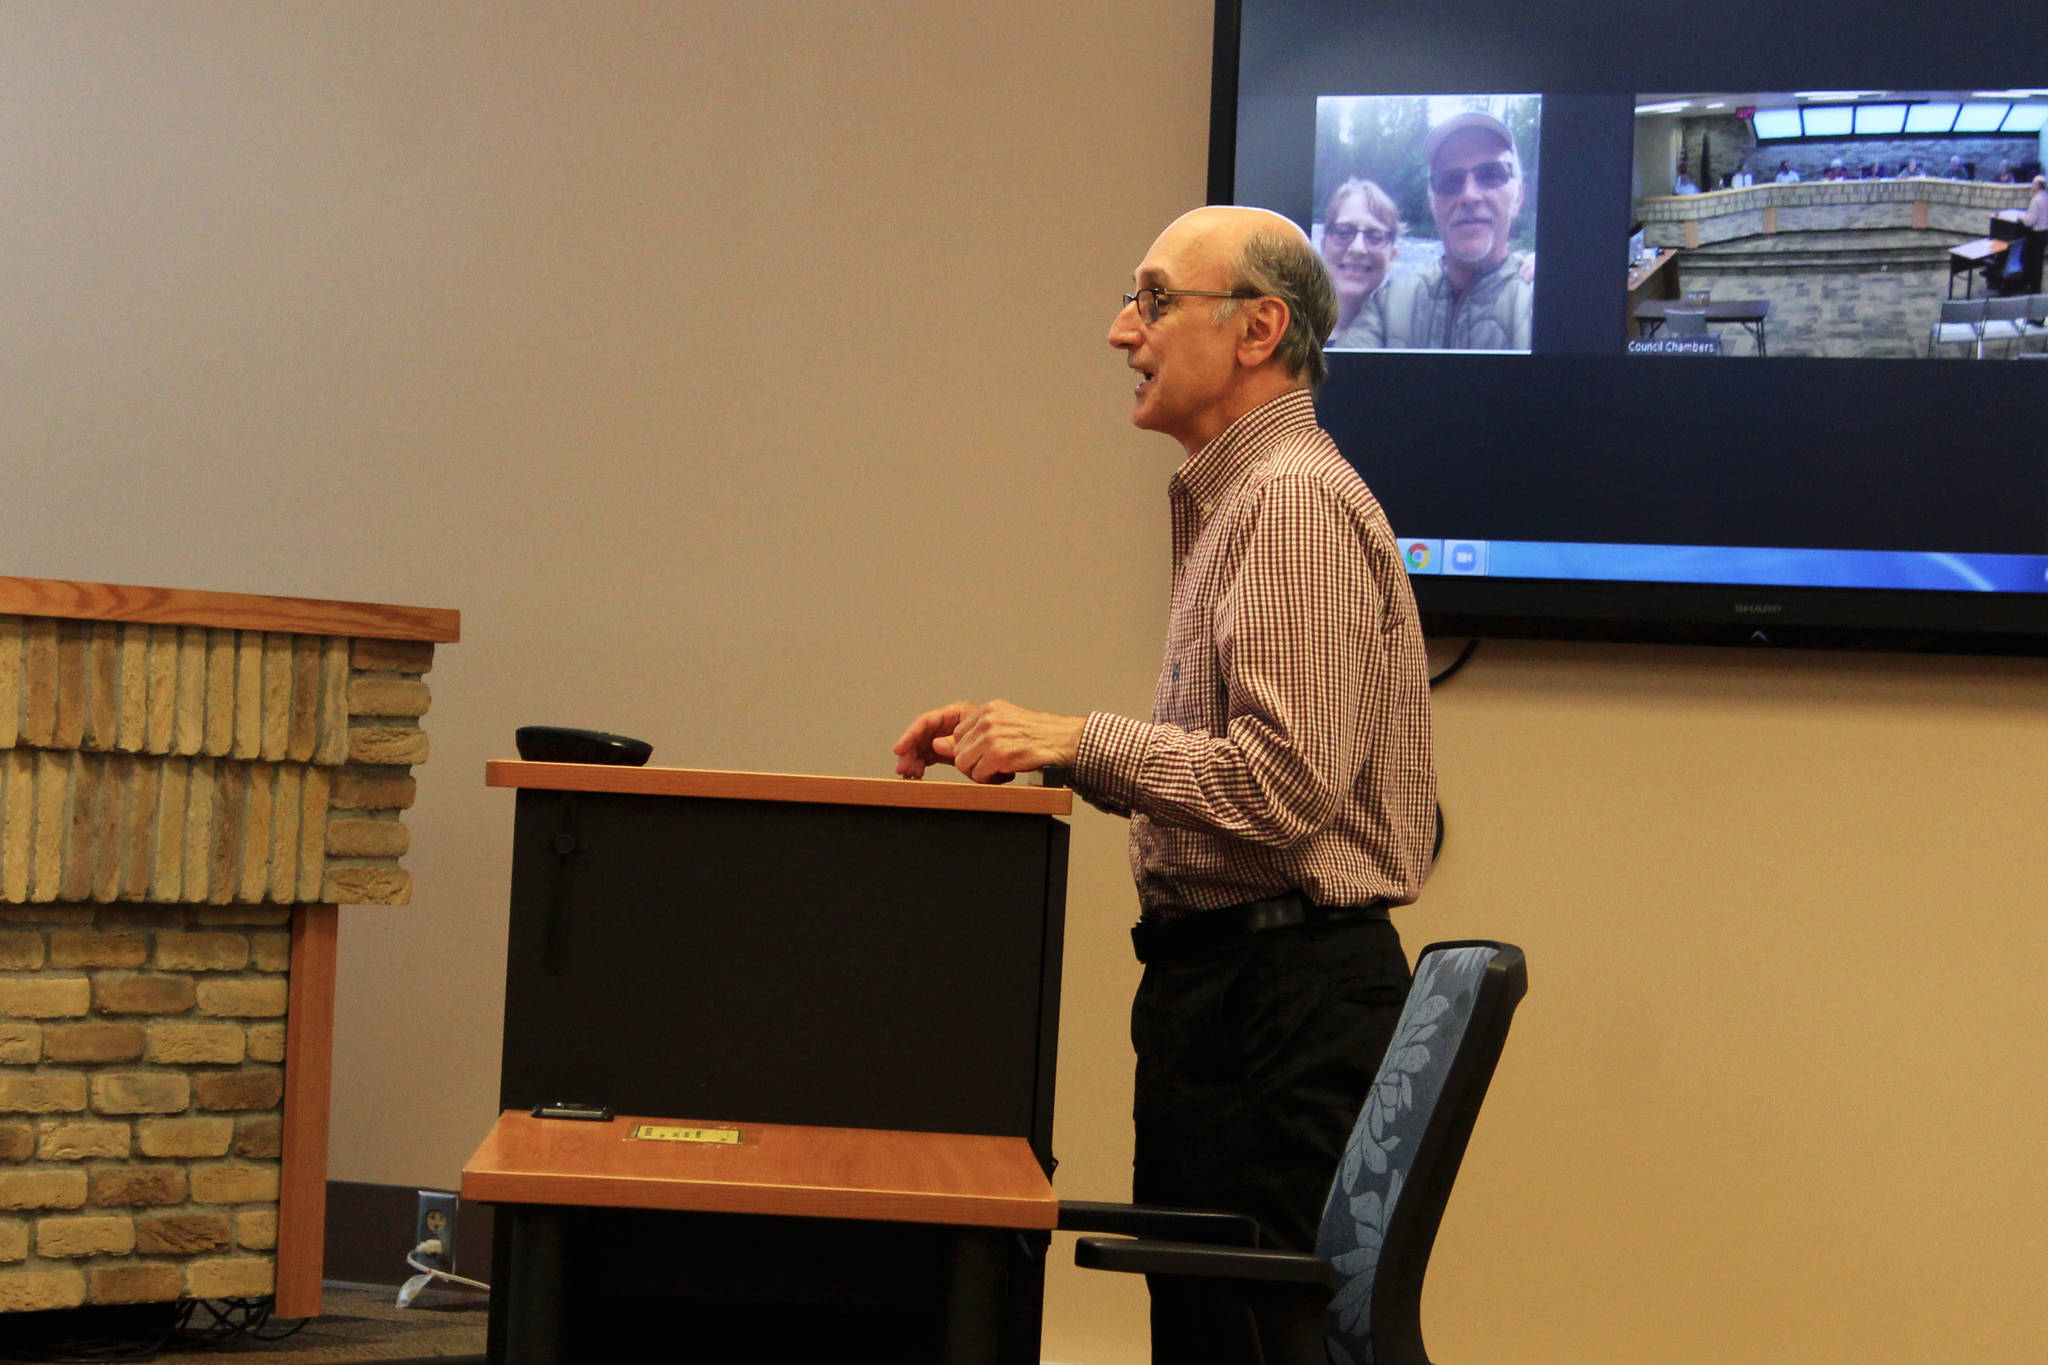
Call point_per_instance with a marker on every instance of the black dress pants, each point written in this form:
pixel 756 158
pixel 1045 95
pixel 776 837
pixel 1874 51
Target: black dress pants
pixel 1253 1062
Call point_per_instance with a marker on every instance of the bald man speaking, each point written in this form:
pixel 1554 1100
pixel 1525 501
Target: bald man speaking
pixel 1282 794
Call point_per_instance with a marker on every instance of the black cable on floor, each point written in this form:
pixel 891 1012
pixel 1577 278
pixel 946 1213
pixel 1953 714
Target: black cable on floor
pixel 194 1325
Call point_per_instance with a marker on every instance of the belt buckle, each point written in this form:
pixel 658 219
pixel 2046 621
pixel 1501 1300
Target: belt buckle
pixel 1275 912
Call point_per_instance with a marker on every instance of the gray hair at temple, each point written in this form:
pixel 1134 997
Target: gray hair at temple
pixel 1282 264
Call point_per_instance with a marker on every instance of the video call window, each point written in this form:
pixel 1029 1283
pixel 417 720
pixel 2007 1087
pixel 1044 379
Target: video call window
pixel 1571 484
pixel 1845 224
pixel 1425 211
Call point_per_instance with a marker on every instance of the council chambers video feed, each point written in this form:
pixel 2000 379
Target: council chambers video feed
pixel 1426 211
pixel 1839 223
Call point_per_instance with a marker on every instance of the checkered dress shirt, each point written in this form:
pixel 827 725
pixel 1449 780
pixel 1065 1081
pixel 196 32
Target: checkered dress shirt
pixel 1289 745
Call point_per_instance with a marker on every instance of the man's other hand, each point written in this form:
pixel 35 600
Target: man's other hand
pixel 929 739
pixel 989 743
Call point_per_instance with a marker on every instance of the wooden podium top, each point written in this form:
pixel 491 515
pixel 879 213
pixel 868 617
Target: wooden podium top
pixel 1012 798
pixel 693 1166
pixel 230 610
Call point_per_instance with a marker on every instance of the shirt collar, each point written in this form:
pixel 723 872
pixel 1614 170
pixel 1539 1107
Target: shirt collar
pixel 1205 475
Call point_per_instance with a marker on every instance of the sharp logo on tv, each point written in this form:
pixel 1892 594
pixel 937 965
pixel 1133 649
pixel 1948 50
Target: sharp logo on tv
pixel 1758 608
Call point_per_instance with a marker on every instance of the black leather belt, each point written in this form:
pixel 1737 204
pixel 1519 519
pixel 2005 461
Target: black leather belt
pixel 1203 931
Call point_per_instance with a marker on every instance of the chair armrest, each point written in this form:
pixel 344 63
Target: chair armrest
pixel 1144 1256
pixel 1149 1220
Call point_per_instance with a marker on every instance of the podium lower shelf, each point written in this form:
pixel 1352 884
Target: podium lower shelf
pixel 761 1240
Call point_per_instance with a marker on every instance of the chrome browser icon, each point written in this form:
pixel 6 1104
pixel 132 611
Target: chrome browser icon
pixel 1422 556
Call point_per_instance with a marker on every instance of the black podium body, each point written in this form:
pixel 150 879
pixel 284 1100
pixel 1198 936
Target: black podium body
pixel 735 948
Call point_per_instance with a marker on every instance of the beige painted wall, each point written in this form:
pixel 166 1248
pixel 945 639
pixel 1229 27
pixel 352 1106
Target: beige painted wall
pixel 738 371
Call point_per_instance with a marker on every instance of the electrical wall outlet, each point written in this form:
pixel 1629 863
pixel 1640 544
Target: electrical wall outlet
pixel 436 1222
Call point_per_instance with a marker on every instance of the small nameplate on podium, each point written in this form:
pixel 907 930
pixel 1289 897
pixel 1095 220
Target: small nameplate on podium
pixel 655 1132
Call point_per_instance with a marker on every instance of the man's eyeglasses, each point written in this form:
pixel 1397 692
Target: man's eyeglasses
pixel 1341 235
pixel 1490 175
pixel 1152 301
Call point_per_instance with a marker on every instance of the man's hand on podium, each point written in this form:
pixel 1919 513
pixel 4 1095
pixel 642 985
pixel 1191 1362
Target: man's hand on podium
pixel 989 742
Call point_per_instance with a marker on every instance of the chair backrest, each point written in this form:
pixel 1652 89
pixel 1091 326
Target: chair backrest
pixel 1686 322
pixel 1389 1193
pixel 2010 309
pixel 1961 311
pixel 2037 308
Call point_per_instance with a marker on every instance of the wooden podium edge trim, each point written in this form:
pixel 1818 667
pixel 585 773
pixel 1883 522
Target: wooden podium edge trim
pixel 567 1189
pixel 739 786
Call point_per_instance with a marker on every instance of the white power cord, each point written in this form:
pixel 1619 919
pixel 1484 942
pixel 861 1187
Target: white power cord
pixel 410 1290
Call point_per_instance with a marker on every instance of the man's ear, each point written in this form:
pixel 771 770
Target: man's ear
pixel 1264 321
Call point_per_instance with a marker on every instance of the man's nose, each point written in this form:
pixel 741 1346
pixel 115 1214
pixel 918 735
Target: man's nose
pixel 1123 328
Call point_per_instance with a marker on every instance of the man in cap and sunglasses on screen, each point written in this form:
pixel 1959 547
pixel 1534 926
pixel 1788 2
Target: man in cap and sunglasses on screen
pixel 1477 297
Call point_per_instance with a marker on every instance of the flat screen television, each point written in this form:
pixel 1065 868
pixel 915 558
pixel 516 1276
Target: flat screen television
pixel 1770 427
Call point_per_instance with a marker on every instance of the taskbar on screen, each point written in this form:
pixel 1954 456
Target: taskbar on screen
pixel 1726 564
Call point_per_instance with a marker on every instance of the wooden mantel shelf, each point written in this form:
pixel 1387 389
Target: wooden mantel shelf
pixel 833 791
pixel 230 610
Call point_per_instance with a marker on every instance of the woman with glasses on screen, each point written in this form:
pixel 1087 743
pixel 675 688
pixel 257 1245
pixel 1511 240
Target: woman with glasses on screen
pixel 1361 236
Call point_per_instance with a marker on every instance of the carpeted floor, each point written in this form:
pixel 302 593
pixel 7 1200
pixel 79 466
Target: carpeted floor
pixel 357 1323
pixel 364 1323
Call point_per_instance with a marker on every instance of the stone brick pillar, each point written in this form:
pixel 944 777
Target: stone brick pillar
pixel 189 784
